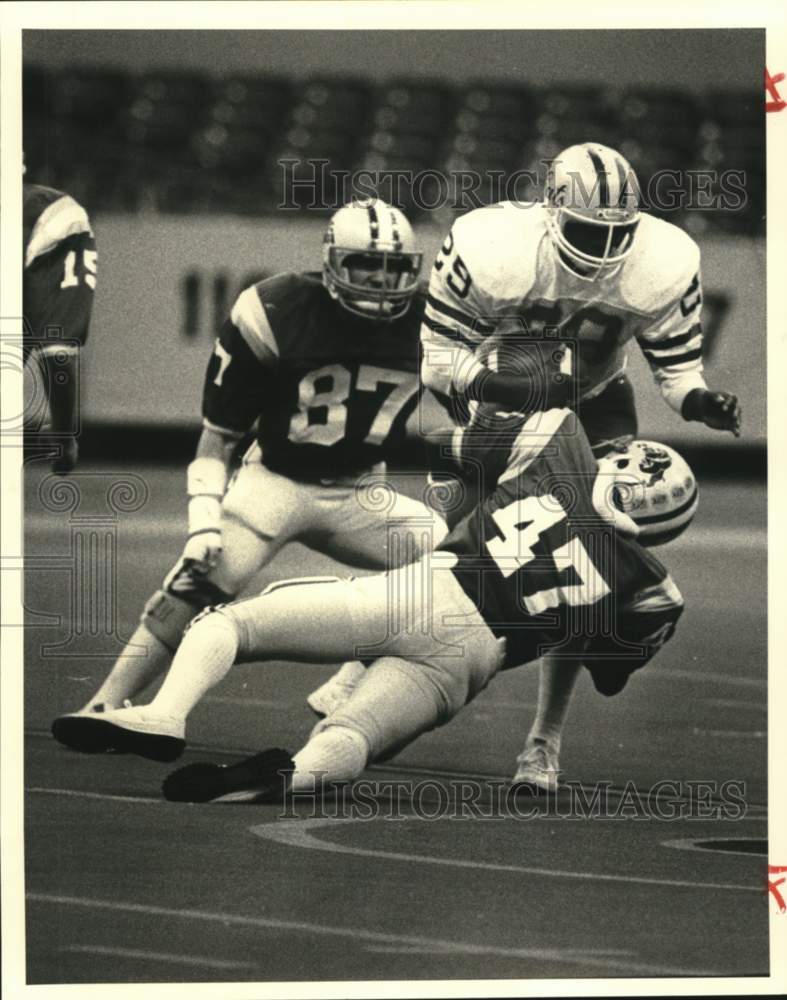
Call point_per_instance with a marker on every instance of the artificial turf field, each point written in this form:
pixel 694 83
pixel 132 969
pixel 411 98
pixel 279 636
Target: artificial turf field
pixel 125 887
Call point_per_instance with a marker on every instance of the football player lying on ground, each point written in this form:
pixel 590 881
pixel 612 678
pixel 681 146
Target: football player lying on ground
pixel 538 565
pixel 328 367
pixel 584 268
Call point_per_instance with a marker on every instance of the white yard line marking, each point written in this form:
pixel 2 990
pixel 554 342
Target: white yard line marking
pixel 373 937
pixel 297 833
pixel 704 677
pixel 577 953
pixel 78 794
pixel 156 956
pixel 690 844
pixel 730 734
pixel 758 706
pixel 250 702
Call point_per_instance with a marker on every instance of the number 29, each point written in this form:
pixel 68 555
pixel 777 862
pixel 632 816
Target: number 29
pixel 458 279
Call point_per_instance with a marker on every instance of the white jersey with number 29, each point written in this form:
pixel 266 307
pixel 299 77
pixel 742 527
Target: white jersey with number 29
pixel 497 280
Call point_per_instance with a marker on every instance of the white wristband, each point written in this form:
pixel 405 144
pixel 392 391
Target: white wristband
pixel 206 476
pixel 204 514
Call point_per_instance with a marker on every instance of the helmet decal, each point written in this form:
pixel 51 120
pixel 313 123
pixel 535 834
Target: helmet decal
pixel 601 175
pixel 653 485
pixel 374 225
pixel 655 463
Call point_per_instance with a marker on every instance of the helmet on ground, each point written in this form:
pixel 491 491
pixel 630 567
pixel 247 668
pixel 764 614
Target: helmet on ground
pixel 653 485
pixel 592 205
pixel 370 262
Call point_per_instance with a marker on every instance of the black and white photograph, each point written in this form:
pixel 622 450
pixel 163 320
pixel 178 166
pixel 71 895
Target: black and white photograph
pixel 385 578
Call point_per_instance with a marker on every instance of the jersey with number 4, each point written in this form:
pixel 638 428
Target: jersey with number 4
pixel 497 285
pixel 332 391
pixel 542 566
pixel 59 266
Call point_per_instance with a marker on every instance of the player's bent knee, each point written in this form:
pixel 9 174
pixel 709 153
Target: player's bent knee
pixel 455 690
pixel 394 703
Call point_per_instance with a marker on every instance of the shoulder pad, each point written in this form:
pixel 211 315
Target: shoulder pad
pixel 249 316
pixel 37 197
pixel 60 217
pixel 283 290
pixel 499 244
pixel 662 265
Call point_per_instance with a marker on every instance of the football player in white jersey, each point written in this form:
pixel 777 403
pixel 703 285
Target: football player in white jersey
pixel 532 305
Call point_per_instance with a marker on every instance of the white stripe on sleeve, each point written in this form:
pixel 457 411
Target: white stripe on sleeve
pixel 249 316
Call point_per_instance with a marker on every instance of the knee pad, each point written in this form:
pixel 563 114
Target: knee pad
pixel 183 595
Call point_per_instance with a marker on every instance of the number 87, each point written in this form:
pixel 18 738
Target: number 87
pixel 461 286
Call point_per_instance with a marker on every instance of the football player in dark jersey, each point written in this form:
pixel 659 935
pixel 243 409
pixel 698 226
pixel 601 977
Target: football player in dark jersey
pixel 59 281
pixel 328 368
pixel 539 565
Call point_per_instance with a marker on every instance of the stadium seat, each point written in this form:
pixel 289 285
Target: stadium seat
pixel 187 141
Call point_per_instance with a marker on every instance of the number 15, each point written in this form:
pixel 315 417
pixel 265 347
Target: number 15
pixel 89 261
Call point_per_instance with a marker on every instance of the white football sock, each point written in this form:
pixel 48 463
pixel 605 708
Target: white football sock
pixel 204 657
pixel 143 660
pixel 556 681
pixel 336 754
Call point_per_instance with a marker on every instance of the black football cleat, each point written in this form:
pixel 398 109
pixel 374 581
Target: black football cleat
pixel 265 777
pixel 73 732
pixel 135 729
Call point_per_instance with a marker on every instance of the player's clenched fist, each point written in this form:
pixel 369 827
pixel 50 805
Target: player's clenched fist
pixel 206 480
pixel 719 410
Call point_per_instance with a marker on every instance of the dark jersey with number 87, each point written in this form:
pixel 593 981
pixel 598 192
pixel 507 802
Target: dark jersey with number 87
pixel 332 391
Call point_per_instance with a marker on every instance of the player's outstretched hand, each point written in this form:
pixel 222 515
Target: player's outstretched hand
pixel 719 410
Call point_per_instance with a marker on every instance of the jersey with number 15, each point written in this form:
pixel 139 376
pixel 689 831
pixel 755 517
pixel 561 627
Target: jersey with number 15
pixel 59 266
pixel 332 391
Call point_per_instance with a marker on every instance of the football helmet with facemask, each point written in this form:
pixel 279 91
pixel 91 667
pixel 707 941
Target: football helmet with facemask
pixel 592 207
pixel 653 485
pixel 370 261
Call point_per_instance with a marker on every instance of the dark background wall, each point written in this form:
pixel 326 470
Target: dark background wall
pixel 691 60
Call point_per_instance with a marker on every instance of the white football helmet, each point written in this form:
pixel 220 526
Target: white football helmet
pixel 592 206
pixel 370 263
pixel 653 486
